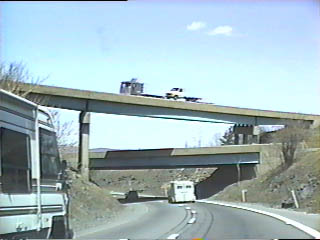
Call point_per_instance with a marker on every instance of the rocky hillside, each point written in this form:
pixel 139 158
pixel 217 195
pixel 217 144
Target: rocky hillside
pixel 274 188
pixel 152 181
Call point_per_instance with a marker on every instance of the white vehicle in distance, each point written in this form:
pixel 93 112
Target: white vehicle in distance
pixel 179 93
pixel 181 191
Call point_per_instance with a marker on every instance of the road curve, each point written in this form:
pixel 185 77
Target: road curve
pixel 212 222
pixel 159 221
pixel 230 223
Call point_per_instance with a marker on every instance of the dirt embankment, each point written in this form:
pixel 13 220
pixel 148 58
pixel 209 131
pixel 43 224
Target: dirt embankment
pixel 152 181
pixel 90 205
pixel 274 189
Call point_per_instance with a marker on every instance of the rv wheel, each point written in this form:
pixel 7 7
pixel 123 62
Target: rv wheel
pixel 59 229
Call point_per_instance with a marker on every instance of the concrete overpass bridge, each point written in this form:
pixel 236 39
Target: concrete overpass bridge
pixel 99 102
pixel 204 157
pixel 232 163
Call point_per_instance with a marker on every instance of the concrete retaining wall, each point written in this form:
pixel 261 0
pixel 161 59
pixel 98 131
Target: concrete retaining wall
pixel 223 177
pixel 270 158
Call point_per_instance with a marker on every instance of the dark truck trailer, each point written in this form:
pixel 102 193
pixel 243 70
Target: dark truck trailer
pixel 153 96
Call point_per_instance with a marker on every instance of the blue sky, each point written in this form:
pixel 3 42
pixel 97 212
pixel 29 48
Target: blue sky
pixel 255 54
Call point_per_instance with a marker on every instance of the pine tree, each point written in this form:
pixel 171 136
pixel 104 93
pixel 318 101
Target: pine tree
pixel 228 137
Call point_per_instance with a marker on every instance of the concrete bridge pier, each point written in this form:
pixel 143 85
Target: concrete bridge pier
pixel 245 138
pixel 246 131
pixel 256 138
pixel 236 139
pixel 84 132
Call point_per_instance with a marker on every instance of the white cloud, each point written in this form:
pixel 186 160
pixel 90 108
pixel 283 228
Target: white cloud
pixel 196 26
pixel 223 30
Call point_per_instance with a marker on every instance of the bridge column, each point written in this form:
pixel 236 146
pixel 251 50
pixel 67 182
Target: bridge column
pixel 83 161
pixel 255 138
pixel 256 134
pixel 236 139
pixel 246 130
pixel 245 139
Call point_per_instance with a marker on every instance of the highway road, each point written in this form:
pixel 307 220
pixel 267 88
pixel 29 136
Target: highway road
pixel 163 221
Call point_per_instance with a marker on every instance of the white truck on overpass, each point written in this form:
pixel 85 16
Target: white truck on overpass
pixel 33 189
pixel 179 93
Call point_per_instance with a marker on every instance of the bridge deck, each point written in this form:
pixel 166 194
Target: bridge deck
pixel 100 102
pixel 176 157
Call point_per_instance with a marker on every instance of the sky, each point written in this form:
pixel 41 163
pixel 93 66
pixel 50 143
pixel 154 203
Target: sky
pixel 253 54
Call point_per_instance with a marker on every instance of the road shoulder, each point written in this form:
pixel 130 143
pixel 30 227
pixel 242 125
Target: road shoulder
pixel 308 223
pixel 130 213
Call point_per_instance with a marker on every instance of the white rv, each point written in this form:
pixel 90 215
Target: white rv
pixel 181 191
pixel 33 189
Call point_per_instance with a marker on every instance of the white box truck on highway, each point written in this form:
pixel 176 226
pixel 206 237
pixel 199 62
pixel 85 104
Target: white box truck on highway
pixel 33 189
pixel 181 191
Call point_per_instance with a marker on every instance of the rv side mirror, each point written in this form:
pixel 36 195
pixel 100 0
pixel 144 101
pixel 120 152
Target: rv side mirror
pixel 63 165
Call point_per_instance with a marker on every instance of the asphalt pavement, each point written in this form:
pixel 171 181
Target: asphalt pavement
pixel 197 220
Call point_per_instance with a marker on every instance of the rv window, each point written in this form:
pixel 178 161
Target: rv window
pixel 188 186
pixel 15 158
pixel 179 187
pixel 49 155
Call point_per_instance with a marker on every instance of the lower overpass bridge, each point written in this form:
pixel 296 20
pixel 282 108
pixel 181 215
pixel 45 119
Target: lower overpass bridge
pixel 234 163
pixel 204 157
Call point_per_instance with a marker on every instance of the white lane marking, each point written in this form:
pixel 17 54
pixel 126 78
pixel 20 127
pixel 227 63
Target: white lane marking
pixel 314 233
pixel 192 220
pixel 173 236
pixel 134 203
pixel 188 208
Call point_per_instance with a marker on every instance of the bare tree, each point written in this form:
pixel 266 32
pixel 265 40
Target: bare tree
pixel 215 140
pixel 289 138
pixel 65 132
pixel 13 75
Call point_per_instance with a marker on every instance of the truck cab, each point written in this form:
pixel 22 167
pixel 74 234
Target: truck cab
pixel 175 93
pixel 33 191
